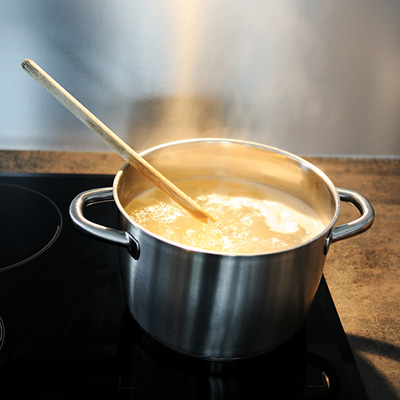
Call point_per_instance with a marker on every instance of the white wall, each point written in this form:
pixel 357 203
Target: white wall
pixel 312 77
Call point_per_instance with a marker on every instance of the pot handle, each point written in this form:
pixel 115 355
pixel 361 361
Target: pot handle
pixel 90 228
pixel 357 226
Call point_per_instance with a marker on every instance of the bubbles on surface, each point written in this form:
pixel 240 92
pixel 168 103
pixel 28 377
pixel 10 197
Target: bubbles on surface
pixel 252 218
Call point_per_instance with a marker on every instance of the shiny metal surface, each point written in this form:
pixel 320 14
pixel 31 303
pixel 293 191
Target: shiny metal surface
pixel 212 305
pixel 316 77
pixel 111 235
pixel 357 226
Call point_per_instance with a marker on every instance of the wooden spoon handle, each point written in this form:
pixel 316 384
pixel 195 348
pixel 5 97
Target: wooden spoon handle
pixel 83 114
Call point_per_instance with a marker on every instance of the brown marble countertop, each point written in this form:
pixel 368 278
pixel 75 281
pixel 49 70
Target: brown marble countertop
pixel 363 273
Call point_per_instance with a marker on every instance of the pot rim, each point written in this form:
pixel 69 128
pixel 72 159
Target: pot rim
pixel 300 160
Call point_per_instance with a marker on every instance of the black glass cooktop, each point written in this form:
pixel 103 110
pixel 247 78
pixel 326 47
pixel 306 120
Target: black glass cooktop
pixel 65 332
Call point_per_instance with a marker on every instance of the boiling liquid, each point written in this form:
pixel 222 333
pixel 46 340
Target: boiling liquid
pixel 252 218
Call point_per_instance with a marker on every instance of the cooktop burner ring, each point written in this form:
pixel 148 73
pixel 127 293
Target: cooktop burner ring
pixel 2 333
pixel 30 223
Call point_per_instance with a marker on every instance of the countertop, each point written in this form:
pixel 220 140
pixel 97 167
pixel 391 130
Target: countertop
pixel 362 273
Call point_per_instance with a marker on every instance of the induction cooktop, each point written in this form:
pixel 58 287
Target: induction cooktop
pixel 65 331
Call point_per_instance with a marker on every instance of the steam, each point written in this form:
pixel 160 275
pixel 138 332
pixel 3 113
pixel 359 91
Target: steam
pixel 236 69
pixel 299 75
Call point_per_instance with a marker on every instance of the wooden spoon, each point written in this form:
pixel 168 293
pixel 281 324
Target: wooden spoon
pixel 82 113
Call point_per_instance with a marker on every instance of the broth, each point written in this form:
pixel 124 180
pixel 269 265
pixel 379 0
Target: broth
pixel 252 217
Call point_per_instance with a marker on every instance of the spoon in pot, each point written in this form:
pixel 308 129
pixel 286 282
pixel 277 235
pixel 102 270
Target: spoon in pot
pixel 133 158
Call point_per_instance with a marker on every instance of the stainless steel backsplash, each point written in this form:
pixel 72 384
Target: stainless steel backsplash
pixel 312 77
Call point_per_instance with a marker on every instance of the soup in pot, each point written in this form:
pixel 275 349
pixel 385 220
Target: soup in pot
pixel 252 217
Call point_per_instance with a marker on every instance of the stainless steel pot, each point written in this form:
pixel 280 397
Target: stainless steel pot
pixel 212 305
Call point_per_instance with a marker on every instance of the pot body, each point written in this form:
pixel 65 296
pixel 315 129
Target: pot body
pixel 220 307
pixel 214 305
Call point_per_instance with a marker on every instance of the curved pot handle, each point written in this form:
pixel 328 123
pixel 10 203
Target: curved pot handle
pixel 90 228
pixel 357 226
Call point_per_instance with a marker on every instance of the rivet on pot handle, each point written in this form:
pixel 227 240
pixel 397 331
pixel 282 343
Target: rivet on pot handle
pixel 90 228
pixel 357 226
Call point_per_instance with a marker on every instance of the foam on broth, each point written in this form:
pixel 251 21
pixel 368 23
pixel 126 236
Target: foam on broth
pixel 252 217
